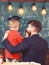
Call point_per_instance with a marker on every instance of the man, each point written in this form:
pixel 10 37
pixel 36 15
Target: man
pixel 33 48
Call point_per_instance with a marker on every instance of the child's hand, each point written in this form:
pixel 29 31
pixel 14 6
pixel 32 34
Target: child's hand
pixel 6 34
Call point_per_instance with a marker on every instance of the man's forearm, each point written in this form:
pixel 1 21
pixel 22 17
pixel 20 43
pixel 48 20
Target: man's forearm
pixel 13 49
pixel 8 46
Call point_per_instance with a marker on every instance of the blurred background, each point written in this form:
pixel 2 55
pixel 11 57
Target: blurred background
pixel 27 12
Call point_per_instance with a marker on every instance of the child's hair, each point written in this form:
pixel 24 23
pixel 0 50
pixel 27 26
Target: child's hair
pixel 15 23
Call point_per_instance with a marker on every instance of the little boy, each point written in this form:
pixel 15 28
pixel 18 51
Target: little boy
pixel 14 38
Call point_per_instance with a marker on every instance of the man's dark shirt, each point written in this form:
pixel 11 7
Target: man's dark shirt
pixel 33 49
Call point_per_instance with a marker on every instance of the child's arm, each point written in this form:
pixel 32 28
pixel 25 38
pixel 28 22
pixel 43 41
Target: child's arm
pixel 6 34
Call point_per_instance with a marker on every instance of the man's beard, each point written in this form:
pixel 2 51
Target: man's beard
pixel 29 33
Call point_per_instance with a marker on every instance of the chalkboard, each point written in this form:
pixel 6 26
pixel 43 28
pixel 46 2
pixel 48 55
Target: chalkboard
pixel 29 15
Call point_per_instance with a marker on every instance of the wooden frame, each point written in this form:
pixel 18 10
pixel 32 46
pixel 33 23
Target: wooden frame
pixel 24 0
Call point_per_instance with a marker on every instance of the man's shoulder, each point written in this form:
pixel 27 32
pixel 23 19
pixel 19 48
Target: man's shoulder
pixel 43 39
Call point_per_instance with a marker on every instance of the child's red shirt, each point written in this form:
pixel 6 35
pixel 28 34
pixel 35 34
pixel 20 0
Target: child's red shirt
pixel 14 38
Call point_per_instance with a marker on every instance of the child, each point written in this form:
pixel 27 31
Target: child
pixel 14 38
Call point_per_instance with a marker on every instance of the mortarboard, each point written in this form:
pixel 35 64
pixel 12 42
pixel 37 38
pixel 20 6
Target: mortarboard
pixel 14 18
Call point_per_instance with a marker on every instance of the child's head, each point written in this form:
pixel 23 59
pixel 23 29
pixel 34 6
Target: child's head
pixel 14 22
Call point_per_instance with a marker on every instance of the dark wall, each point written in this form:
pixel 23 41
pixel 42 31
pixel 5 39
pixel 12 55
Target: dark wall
pixel 29 15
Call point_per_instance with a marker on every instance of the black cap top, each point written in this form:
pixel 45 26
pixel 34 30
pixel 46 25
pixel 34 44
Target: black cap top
pixel 14 18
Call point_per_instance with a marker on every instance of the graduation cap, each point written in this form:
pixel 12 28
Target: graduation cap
pixel 14 18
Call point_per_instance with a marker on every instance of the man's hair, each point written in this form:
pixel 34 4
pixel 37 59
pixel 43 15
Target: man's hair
pixel 37 24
